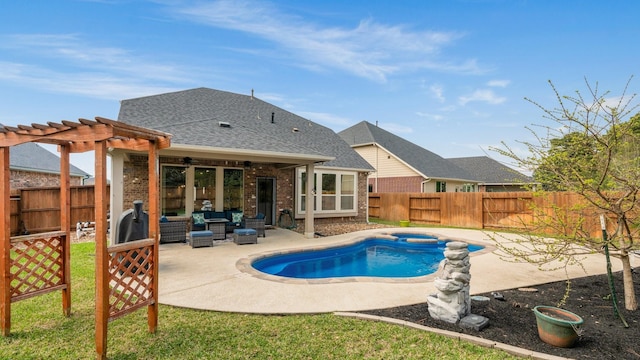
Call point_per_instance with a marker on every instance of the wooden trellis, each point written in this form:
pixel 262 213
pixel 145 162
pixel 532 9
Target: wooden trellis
pixel 126 274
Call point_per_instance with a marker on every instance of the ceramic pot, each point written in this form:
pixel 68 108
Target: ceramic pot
pixel 404 223
pixel 557 326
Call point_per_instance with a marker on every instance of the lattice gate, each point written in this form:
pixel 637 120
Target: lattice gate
pixel 131 275
pixel 39 265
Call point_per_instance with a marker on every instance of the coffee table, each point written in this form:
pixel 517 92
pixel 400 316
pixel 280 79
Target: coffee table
pixel 217 226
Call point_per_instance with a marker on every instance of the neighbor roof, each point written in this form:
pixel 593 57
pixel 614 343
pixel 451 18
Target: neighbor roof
pixel 422 160
pixel 33 157
pixel 490 171
pixel 194 117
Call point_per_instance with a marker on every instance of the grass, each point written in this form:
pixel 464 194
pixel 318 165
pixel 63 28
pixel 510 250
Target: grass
pixel 40 331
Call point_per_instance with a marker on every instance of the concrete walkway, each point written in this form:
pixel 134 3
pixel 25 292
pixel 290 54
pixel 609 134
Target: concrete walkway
pixel 220 277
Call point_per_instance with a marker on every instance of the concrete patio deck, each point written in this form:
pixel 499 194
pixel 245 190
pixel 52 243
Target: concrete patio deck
pixel 219 278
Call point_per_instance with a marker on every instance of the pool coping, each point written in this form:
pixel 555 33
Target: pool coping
pixel 244 264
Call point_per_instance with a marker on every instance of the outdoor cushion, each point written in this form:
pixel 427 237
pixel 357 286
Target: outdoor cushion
pixel 236 217
pixel 245 231
pixel 198 218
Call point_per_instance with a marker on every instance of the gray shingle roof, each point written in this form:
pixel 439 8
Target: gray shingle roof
pixel 490 171
pixel 193 116
pixel 421 159
pixel 33 157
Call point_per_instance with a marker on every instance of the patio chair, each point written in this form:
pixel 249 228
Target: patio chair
pixel 256 223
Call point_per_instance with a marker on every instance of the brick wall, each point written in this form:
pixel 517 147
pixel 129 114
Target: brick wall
pixel 29 179
pixel 397 184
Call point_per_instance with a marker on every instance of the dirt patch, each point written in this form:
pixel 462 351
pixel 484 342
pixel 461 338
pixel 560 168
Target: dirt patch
pixel 513 322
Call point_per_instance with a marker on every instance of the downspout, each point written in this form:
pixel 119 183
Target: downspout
pixel 377 169
pixel 422 185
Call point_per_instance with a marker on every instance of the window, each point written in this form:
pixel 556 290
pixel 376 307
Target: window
pixel 441 186
pixel 335 192
pixel 204 186
pixel 468 188
pixel 233 189
pixel 347 195
pixel 173 190
pixel 222 188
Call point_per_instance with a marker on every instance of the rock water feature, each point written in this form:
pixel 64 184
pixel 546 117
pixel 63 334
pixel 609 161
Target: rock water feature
pixel 452 302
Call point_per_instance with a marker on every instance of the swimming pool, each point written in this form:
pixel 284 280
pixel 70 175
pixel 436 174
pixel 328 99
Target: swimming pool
pixel 405 255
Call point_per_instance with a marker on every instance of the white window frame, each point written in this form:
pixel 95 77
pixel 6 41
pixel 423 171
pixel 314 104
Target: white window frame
pixel 318 212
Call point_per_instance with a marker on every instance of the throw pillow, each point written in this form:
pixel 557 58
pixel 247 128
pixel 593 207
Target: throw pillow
pixel 236 217
pixel 198 218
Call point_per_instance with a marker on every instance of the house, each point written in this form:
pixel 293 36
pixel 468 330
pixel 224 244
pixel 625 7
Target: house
pixel 34 166
pixel 492 176
pixel 235 152
pixel 402 166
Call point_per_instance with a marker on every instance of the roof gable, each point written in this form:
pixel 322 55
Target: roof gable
pixel 194 117
pixel 426 162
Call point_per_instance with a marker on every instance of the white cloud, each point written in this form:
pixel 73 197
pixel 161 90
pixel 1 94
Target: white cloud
pixel 499 83
pixel 369 49
pixel 99 72
pixel 438 92
pixel 485 95
pixel 435 117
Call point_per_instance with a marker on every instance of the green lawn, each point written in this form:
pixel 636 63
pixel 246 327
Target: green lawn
pixel 40 331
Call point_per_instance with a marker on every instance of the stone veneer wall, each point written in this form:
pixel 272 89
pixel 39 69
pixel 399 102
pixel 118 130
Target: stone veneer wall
pixel 136 180
pixel 30 179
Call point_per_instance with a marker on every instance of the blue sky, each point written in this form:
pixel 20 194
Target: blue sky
pixel 449 75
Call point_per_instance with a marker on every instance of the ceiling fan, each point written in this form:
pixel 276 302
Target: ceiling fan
pixel 189 161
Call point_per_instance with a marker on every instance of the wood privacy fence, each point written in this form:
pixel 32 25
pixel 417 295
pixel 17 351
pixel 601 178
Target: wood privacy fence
pixel 36 210
pixel 485 210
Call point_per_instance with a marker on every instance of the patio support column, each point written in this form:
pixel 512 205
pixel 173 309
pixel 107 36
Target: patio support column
pixel 5 238
pixel 117 190
pixel 310 199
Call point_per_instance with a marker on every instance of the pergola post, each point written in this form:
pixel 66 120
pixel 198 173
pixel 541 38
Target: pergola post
pixel 154 225
pixel 5 237
pixel 65 220
pixel 102 256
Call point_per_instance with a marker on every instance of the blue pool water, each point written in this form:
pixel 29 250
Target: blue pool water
pixel 372 257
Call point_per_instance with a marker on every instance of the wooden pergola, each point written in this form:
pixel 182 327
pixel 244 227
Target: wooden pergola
pixel 31 265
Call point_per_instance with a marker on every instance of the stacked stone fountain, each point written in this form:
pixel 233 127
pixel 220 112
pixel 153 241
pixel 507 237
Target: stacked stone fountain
pixel 452 302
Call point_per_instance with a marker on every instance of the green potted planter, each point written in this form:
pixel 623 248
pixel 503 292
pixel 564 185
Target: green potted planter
pixel 404 223
pixel 557 326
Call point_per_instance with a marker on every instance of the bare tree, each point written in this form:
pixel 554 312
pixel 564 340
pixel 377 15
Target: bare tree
pixel 592 149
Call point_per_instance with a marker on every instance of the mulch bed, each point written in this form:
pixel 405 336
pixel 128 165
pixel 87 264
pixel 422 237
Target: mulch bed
pixel 513 322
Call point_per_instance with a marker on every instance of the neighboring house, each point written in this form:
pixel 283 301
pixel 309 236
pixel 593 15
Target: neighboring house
pixel 493 176
pixel 402 166
pixel 243 154
pixel 31 165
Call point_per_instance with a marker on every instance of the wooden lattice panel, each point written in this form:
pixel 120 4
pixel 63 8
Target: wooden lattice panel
pixel 131 280
pixel 37 264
